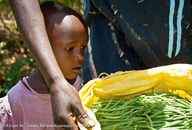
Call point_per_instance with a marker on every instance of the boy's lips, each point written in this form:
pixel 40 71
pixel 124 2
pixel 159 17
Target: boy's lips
pixel 77 69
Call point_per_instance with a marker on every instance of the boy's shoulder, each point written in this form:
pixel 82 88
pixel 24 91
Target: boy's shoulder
pixel 17 92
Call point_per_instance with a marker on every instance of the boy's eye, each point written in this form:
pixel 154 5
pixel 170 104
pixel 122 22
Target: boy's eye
pixel 69 48
pixel 83 47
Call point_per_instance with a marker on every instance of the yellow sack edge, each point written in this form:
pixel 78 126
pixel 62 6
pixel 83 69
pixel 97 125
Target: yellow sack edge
pixel 176 78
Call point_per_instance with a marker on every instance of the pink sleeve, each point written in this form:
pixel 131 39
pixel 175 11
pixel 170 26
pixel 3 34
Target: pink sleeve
pixel 5 113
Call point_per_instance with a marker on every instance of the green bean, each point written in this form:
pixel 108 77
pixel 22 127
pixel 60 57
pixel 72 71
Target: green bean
pixel 117 124
pixel 114 127
pixel 149 111
pixel 107 127
pixel 128 112
pixel 159 122
pixel 161 116
pixel 152 108
pixel 109 114
pixel 115 120
pixel 112 117
pixel 135 127
pixel 150 121
pixel 132 100
pixel 132 127
pixel 174 110
pixel 179 118
pixel 175 123
pixel 117 109
pixel 116 104
pixel 108 103
pixel 157 113
pixel 184 102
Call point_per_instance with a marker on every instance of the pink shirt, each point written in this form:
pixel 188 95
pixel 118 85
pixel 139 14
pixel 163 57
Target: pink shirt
pixel 22 109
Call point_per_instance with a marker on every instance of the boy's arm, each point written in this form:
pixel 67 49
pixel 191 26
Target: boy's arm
pixel 65 99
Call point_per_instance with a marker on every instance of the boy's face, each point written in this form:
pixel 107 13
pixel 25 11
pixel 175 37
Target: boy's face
pixel 69 40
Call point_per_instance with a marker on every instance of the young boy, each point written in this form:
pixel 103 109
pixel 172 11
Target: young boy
pixel 28 104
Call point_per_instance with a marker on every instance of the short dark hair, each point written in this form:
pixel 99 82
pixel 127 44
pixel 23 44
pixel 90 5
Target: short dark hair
pixel 50 7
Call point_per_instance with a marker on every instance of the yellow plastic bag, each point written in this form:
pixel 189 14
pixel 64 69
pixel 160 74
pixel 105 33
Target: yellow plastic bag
pixel 175 78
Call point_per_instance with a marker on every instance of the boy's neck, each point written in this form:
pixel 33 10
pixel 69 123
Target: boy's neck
pixel 37 82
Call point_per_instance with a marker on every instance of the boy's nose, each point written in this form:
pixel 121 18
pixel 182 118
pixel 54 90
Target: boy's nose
pixel 79 56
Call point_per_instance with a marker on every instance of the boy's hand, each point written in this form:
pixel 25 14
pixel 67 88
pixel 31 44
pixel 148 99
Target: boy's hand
pixel 66 105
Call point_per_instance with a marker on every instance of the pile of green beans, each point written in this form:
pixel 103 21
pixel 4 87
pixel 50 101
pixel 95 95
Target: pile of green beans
pixel 155 111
